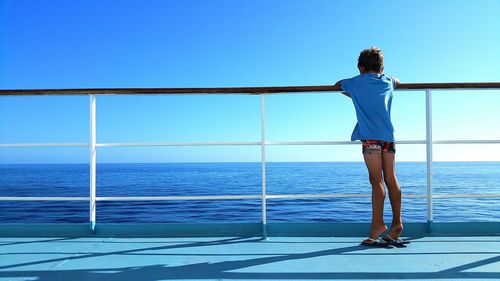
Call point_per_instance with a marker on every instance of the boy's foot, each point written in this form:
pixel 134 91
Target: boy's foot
pixel 394 242
pixel 375 242
pixel 395 231
pixel 375 230
pixel 392 238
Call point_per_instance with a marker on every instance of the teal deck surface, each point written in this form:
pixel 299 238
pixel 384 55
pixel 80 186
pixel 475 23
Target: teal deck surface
pixel 250 258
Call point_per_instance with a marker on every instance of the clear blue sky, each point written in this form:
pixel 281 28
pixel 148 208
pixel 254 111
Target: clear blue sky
pixel 92 44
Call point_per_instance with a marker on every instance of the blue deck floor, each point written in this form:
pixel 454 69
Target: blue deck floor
pixel 226 258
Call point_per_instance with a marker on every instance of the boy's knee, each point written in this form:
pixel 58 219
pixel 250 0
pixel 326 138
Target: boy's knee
pixel 376 180
pixel 390 180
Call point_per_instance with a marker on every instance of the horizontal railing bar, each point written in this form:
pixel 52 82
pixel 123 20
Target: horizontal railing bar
pixel 44 145
pixel 398 142
pixel 236 197
pixel 238 90
pixel 347 142
pixel 37 198
pixel 213 143
pixel 311 142
pixel 466 141
pixel 226 143
pixel 176 198
pixel 225 197
pixel 311 196
pixel 472 195
pixel 411 142
pixel 335 195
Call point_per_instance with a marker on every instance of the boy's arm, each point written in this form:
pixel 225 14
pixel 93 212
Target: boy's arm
pixel 339 84
pixel 397 81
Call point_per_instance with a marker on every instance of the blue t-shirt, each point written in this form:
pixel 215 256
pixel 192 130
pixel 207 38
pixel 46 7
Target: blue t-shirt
pixel 372 97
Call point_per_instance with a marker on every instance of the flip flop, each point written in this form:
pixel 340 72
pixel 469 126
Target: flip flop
pixel 375 242
pixel 391 241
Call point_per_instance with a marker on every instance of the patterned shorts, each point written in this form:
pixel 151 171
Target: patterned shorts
pixel 377 147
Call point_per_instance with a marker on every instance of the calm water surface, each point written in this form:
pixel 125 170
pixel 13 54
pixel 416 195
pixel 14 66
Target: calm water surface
pixel 192 179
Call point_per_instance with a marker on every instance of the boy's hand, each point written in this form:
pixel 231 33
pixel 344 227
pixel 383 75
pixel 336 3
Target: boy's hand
pixel 397 81
pixel 339 84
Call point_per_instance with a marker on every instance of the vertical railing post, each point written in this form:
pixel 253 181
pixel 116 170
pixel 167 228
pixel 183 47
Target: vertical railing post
pixel 263 159
pixel 428 141
pixel 92 147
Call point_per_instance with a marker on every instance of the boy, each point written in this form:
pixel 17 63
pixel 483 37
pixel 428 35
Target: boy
pixel 371 93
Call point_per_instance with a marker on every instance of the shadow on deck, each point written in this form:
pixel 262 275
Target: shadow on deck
pixel 247 258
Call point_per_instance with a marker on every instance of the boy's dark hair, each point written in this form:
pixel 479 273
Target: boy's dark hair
pixel 371 59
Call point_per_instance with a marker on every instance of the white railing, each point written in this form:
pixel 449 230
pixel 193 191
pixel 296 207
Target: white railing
pixel 93 145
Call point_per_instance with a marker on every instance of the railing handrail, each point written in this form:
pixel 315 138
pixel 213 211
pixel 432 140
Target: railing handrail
pixel 262 91
pixel 238 90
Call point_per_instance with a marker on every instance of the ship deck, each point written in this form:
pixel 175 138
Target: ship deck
pixel 68 257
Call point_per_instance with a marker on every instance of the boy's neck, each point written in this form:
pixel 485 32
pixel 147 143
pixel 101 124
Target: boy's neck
pixel 362 71
pixel 371 72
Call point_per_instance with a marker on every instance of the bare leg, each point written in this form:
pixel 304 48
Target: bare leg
pixel 392 184
pixel 374 164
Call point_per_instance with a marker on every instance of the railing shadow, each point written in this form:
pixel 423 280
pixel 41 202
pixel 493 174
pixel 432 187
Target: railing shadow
pixel 227 269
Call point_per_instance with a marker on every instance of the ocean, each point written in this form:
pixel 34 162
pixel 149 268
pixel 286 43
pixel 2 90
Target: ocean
pixel 197 179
